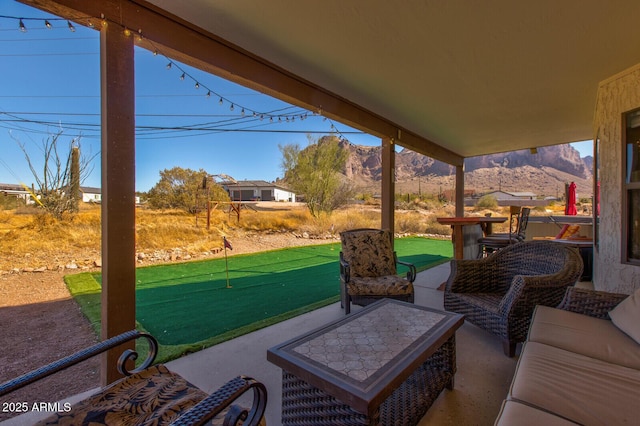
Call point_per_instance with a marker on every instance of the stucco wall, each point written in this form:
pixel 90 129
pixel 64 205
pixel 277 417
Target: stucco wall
pixel 616 96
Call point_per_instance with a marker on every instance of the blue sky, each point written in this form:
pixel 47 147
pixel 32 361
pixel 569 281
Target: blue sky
pixel 50 82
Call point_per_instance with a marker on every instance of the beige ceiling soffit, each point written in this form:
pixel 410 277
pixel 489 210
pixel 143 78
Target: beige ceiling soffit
pixel 621 74
pixel 183 41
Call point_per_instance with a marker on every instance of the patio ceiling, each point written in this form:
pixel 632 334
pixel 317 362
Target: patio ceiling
pixel 473 77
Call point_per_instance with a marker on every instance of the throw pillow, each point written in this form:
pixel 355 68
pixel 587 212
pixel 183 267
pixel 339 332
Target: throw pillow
pixel 626 316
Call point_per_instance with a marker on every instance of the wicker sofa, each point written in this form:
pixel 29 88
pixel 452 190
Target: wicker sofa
pixel 577 365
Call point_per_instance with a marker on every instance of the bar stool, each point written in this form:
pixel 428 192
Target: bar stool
pixel 493 242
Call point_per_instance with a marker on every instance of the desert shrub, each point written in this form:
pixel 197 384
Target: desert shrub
pixel 10 202
pixel 487 202
pixel 411 222
pixel 353 218
pixel 274 221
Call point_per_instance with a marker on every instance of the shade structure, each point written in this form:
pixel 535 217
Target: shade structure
pixel 570 208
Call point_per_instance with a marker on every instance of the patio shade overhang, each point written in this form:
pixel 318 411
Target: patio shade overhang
pixel 446 79
pixel 450 80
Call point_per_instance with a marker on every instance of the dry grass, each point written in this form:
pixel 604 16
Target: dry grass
pixel 30 238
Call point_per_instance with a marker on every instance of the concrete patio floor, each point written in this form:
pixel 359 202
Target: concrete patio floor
pixel 481 383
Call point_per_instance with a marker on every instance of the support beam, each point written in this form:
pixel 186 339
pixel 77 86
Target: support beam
pixel 118 190
pixel 460 191
pixel 388 183
pixel 155 28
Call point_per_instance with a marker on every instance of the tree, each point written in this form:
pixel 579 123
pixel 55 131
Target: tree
pixel 315 172
pixel 178 188
pixel 58 185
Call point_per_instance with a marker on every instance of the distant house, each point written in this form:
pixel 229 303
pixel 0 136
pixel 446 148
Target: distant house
pixel 94 195
pixel 508 198
pixel 10 189
pixel 90 194
pixel 257 190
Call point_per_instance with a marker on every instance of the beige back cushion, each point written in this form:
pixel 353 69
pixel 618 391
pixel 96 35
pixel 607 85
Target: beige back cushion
pixel 626 316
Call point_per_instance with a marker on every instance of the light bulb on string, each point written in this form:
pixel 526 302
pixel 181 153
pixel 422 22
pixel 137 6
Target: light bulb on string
pixel 220 101
pixel 197 85
pixel 242 112
pixel 169 66
pixel 23 29
pixel 209 94
pixel 232 107
pixel 182 77
pixel 47 24
pixel 71 27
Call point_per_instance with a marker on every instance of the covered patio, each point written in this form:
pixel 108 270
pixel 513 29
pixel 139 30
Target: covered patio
pixel 482 381
pixel 450 81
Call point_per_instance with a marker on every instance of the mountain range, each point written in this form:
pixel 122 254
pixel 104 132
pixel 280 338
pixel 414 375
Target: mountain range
pixel 543 173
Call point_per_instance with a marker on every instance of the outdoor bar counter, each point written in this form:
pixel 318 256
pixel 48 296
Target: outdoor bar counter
pixel 466 231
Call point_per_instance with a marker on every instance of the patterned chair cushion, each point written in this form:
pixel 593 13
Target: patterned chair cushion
pixel 369 252
pixel 155 396
pixel 389 285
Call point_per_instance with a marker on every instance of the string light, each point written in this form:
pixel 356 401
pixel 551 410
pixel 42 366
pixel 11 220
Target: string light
pixel 21 21
pixel 221 99
pixel 170 65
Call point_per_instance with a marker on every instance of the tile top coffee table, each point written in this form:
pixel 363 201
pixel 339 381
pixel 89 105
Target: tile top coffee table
pixel 384 364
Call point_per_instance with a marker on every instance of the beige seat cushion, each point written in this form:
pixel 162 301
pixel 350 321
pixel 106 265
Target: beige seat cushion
pixel 516 413
pixel 582 389
pixel 388 285
pixel 593 337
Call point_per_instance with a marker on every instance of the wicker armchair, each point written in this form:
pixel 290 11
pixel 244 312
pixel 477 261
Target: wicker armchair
pixel 148 395
pixel 498 293
pixel 368 269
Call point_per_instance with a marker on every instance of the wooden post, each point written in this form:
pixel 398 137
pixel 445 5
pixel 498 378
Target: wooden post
pixel 460 191
pixel 118 190
pixel 388 184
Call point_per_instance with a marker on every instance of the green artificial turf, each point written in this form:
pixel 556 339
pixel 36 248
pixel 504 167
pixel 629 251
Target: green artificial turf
pixel 187 306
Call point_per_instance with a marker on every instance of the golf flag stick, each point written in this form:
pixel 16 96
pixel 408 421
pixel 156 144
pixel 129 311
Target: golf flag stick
pixel 226 262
